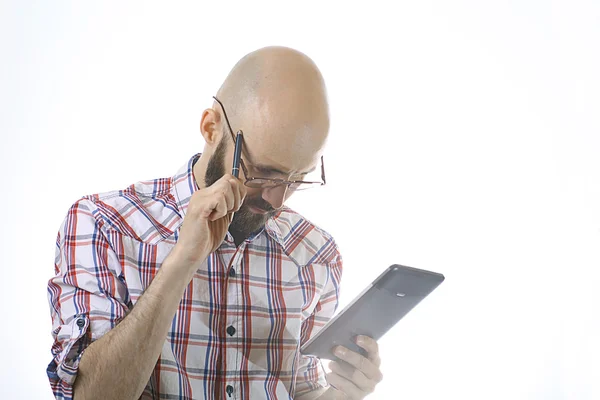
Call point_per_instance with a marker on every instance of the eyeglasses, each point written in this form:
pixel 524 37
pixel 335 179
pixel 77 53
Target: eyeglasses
pixel 267 183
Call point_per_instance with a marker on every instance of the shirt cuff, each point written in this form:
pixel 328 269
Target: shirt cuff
pixel 65 364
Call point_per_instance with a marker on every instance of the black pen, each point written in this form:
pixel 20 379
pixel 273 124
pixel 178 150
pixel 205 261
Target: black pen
pixel 237 155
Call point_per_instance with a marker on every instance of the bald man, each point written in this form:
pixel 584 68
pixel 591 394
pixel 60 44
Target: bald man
pixel 205 285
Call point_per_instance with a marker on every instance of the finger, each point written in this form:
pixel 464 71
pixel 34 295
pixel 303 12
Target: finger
pixel 220 209
pixel 371 346
pixel 227 192
pixel 224 186
pixel 353 375
pixel 345 386
pixel 236 194
pixel 243 191
pixel 208 209
pixel 361 363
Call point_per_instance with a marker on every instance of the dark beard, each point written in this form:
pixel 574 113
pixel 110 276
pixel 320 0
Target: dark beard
pixel 244 222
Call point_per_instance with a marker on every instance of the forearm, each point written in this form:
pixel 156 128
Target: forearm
pixel 119 364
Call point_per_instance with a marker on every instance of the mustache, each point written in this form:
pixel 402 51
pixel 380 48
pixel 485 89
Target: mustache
pixel 258 204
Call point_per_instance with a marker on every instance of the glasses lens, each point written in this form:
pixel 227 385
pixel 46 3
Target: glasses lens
pixel 304 186
pixel 258 183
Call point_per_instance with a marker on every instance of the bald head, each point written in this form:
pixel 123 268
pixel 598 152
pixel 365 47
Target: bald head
pixel 277 96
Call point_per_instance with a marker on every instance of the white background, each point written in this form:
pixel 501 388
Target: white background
pixel 465 140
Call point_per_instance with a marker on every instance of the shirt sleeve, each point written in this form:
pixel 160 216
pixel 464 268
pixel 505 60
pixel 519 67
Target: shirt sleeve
pixel 87 295
pixel 311 374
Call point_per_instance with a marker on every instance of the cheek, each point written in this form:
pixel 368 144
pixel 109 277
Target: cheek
pixel 253 193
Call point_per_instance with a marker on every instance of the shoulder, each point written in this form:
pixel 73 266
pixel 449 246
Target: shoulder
pixel 304 241
pixel 141 211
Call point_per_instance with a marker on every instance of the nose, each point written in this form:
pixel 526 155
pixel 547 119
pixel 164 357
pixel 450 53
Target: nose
pixel 276 196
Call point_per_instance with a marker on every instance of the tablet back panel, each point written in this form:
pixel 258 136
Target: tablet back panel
pixel 389 298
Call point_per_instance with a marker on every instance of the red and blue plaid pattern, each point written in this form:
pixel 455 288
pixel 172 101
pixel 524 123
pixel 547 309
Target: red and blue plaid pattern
pixel 242 331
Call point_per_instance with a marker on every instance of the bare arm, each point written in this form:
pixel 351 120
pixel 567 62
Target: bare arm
pixel 119 364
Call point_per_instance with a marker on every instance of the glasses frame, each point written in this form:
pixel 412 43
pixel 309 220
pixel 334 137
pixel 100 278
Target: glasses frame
pixel 276 182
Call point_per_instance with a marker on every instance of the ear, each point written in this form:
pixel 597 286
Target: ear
pixel 210 127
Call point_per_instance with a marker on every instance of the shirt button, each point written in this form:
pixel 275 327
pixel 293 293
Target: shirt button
pixel 80 323
pixel 231 331
pixel 232 272
pixel 229 390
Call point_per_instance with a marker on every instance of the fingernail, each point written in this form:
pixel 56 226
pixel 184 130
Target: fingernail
pixel 360 340
pixel 340 351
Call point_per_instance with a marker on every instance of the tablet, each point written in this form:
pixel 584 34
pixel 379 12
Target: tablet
pixel 373 312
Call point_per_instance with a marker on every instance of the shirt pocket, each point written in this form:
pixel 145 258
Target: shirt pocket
pixel 291 295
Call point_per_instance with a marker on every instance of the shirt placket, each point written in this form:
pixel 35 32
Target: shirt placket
pixel 233 324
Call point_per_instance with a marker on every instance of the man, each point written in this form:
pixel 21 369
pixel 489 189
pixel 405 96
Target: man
pixel 235 298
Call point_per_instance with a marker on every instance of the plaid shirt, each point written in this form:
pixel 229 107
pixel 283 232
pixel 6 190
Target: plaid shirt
pixel 242 319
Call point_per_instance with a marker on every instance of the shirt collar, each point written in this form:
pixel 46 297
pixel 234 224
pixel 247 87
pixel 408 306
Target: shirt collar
pixel 184 185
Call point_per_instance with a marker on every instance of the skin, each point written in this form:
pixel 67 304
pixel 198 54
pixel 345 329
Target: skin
pixel 284 129
pixel 356 376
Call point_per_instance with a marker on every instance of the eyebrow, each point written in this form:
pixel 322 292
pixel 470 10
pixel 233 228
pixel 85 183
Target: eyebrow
pixel 268 168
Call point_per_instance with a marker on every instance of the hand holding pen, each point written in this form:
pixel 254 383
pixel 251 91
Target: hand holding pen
pixel 210 212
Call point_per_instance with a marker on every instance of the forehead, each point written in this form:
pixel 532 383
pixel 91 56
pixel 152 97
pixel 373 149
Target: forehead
pixel 282 148
pixel 279 159
pixel 282 136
